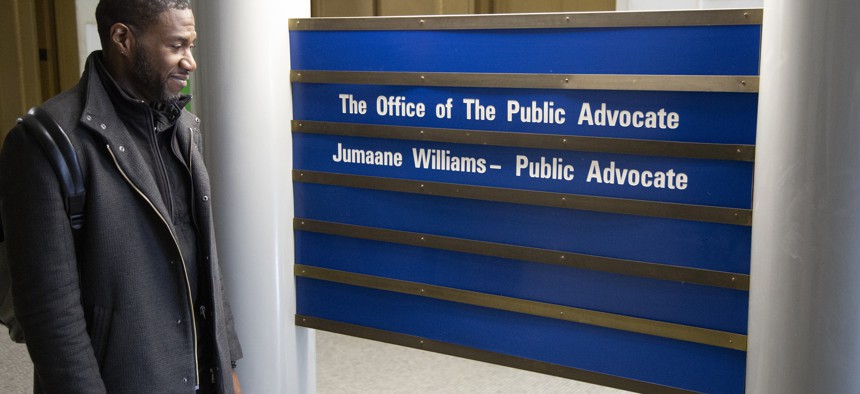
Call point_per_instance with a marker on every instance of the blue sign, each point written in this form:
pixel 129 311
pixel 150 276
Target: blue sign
pixel 678 50
pixel 411 237
pixel 723 118
pixel 686 181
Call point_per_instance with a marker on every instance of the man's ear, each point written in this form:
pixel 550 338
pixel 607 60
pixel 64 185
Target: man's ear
pixel 122 38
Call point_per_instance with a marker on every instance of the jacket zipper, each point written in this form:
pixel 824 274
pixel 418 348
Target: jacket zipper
pixel 164 178
pixel 181 258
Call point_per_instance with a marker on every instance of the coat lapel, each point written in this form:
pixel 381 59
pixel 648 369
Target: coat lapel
pixel 100 116
pixel 188 137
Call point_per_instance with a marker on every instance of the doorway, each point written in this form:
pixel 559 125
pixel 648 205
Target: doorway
pixel 39 41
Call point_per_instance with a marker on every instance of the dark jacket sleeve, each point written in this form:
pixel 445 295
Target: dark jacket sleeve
pixel 45 285
pixel 232 338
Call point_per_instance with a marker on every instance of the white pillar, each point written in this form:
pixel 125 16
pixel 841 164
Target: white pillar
pixel 804 332
pixel 243 97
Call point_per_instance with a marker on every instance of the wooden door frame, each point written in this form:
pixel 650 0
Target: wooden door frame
pixel 20 75
pixel 19 65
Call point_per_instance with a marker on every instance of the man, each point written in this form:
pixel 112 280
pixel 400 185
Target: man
pixel 138 305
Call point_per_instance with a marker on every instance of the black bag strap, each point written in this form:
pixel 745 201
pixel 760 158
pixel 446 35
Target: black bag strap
pixel 56 145
pixel 54 142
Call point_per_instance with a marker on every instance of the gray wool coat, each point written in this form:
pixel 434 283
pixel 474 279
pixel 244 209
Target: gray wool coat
pixel 116 318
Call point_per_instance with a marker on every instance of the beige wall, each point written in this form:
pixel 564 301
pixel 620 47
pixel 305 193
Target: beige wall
pixel 19 64
pixel 643 5
pixel 515 6
pixel 436 7
pixel 26 26
pixel 337 8
pixel 86 17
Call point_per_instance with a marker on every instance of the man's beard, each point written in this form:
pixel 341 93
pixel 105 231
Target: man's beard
pixel 145 73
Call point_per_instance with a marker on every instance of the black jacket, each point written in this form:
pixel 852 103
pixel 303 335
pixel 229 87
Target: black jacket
pixel 117 317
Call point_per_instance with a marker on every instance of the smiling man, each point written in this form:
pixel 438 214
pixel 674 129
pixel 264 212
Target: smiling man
pixel 136 303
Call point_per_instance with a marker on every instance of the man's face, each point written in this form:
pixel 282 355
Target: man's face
pixel 162 59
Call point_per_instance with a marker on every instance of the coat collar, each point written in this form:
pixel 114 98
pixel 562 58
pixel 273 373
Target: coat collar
pixel 100 116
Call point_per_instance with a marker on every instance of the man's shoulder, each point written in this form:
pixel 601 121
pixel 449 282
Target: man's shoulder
pixel 66 107
pixel 61 107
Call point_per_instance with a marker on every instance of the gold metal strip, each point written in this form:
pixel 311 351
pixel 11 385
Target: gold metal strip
pixel 544 256
pixel 471 353
pixel 576 315
pixel 701 213
pixel 689 150
pixel 678 83
pixel 537 21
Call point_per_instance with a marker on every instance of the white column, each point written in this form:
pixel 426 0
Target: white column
pixel 243 97
pixel 804 332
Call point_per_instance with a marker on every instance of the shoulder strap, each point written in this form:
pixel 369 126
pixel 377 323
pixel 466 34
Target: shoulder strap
pixel 40 126
pixel 54 142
